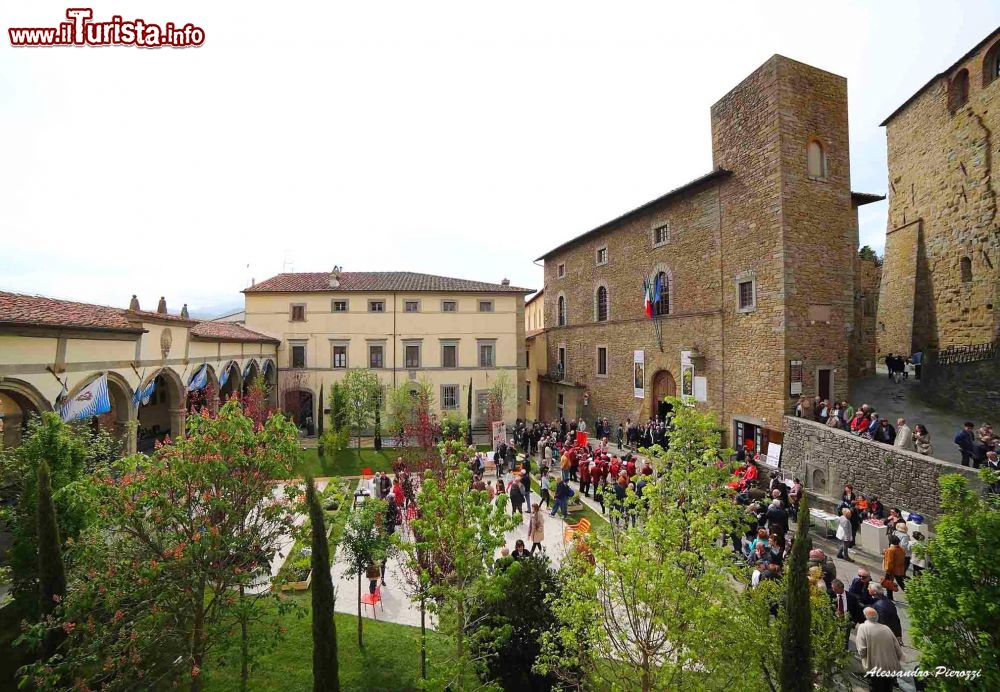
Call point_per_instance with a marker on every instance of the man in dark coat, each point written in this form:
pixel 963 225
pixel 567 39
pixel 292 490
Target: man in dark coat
pixel 846 607
pixel 859 587
pixel 777 518
pixel 886 610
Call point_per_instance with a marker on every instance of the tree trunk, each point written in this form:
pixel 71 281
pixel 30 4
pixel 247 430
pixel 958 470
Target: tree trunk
pixel 360 642
pixel 198 639
pixel 244 644
pixel 460 641
pixel 423 639
pixel 646 683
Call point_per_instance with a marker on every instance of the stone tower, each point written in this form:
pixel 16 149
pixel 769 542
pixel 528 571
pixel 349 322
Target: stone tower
pixel 940 283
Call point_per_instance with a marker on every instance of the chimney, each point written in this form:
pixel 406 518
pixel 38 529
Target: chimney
pixel 505 282
pixel 184 312
pixel 335 276
pixel 162 307
pixel 134 303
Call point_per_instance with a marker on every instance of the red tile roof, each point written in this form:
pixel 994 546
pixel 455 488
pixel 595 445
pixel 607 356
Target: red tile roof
pixel 39 311
pixel 229 331
pixel 407 282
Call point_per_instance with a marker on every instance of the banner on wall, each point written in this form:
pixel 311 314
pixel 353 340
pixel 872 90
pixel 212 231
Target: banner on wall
pixel 639 374
pixel 92 400
pixel 687 376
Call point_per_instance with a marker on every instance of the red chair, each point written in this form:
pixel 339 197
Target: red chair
pixel 370 599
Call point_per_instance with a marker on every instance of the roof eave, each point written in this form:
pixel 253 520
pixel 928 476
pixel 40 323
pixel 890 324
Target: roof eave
pixel 690 186
pixel 77 327
pixel 860 199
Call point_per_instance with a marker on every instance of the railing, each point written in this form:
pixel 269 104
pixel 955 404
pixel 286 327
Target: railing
pixel 966 354
pixel 556 372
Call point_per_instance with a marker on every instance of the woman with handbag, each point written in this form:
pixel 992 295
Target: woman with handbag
pixel 894 564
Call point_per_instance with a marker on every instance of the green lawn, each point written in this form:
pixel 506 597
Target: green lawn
pixel 349 462
pixel 389 661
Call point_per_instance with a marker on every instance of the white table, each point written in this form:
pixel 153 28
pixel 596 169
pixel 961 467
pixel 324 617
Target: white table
pixel 825 522
pixel 873 538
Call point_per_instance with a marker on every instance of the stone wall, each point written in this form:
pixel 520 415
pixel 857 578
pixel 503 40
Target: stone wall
pixel 971 388
pixel 940 279
pixel 867 279
pixel 826 460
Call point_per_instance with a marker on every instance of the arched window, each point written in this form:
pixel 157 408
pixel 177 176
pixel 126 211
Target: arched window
pixel 958 91
pixel 965 265
pixel 561 311
pixel 991 65
pixel 816 160
pixel 662 306
pixel 602 304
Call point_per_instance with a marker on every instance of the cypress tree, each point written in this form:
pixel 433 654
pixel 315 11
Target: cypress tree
pixel 326 676
pixel 51 571
pixel 796 645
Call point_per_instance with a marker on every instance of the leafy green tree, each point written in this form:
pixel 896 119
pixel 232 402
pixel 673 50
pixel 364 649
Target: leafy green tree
pixel 363 393
pixel 72 453
pixel 326 675
pixel 796 650
pixel 955 607
pixel 456 535
pixel 659 611
pixel 867 253
pixel 365 542
pixel 51 571
pixel 154 585
pixel 512 617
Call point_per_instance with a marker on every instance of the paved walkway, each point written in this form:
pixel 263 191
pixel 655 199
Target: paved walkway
pixel 895 401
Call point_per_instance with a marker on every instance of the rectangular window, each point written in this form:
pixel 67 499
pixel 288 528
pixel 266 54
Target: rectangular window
pixel 449 396
pixel 527 392
pixel 339 306
pixel 449 306
pixel 412 356
pixel 560 405
pixel 376 306
pixel 561 270
pixel 298 355
pixel 486 354
pixel 527 358
pixel 376 353
pixel 486 306
pixel 747 299
pixel 298 313
pixel 602 256
pixel 449 355
pixel 482 405
pixel 562 358
pixel 411 306
pixel 661 234
pixel 339 356
pixel 602 361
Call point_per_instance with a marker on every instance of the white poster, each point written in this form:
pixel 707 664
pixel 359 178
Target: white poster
pixel 700 388
pixel 773 455
pixel 639 374
pixel 687 376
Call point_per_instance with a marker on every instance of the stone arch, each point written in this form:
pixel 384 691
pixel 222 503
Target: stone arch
pixel 251 372
pixel 269 371
pixel 661 385
pixel 965 269
pixel 207 397
pixel 164 415
pixel 234 383
pixel 562 310
pixel 958 90
pixel 299 402
pixel 665 306
pixel 122 415
pixel 991 64
pixel 602 303
pixel 816 159
pixel 19 401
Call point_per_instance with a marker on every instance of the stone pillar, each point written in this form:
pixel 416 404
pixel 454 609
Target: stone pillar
pixel 178 416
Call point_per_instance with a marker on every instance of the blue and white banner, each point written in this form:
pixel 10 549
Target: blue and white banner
pixel 92 400
pixel 246 370
pixel 225 375
pixel 268 364
pixel 142 395
pixel 199 380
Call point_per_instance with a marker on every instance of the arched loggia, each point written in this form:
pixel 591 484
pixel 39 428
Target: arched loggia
pixel 161 409
pixel 230 381
pixel 19 403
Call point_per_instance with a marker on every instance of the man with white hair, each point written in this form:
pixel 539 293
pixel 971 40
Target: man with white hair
pixel 904 436
pixel 880 651
pixel 886 610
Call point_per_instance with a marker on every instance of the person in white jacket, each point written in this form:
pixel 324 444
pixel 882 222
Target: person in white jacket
pixel 904 436
pixel 845 534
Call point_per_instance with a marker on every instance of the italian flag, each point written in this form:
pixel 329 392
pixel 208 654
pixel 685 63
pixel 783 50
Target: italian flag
pixel 647 297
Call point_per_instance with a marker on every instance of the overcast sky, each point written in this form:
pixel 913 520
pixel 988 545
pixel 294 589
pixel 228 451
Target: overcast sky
pixel 456 138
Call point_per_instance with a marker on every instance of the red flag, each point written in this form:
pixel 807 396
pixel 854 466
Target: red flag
pixel 647 298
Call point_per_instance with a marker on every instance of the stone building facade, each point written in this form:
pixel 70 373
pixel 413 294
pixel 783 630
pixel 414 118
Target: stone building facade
pixel 757 264
pixel 940 284
pixel 867 282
